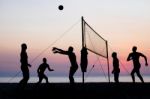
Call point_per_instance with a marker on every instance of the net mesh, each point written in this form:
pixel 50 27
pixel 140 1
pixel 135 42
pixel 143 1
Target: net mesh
pixel 93 41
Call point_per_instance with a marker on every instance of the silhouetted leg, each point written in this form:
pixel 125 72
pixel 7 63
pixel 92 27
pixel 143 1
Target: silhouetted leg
pixel 25 72
pixel 45 77
pixel 71 73
pixel 132 75
pixel 25 79
pixel 40 78
pixel 22 80
pixel 116 76
pixel 139 75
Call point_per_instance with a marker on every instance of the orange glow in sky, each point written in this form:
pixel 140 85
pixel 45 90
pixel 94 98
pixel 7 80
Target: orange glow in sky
pixel 38 23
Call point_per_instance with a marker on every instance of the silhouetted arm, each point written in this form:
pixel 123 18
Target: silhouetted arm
pixel 29 65
pixel 144 58
pixel 112 71
pixel 129 57
pixel 50 68
pixel 38 70
pixel 57 50
pixel 24 58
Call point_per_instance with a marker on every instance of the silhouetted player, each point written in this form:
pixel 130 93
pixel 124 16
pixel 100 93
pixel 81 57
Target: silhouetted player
pixel 135 57
pixel 41 70
pixel 72 58
pixel 116 69
pixel 24 64
pixel 84 60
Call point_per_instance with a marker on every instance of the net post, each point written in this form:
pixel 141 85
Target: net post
pixel 82 25
pixel 83 77
pixel 108 62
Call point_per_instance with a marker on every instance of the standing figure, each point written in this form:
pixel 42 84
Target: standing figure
pixel 72 58
pixel 84 59
pixel 41 70
pixel 24 64
pixel 116 69
pixel 134 56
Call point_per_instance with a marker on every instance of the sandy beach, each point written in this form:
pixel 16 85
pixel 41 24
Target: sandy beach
pixel 77 91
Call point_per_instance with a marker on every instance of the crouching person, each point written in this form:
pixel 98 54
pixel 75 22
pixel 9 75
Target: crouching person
pixel 41 70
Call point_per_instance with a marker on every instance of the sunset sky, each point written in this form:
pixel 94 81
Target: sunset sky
pixel 39 23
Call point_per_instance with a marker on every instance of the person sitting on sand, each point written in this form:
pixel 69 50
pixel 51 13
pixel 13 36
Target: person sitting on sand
pixel 41 70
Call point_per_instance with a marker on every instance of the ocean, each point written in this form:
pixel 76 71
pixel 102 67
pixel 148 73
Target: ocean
pixel 77 79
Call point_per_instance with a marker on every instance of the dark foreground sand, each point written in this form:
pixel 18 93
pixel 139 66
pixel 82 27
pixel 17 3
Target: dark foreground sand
pixel 78 91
